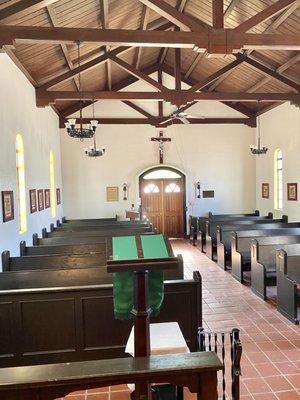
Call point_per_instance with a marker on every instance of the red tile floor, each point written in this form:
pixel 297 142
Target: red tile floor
pixel 271 344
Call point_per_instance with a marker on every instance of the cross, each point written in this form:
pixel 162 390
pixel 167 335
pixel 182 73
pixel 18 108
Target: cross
pixel 161 140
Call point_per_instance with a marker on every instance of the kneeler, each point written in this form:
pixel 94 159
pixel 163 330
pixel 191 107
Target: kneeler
pixel 138 264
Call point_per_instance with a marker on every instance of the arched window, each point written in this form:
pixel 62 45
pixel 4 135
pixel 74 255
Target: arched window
pixel 278 181
pixel 151 188
pixel 21 184
pixel 52 185
pixel 172 188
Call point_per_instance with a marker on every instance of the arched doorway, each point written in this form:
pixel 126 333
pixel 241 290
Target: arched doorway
pixel 162 193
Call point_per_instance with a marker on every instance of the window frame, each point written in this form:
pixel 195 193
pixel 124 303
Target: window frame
pixel 278 179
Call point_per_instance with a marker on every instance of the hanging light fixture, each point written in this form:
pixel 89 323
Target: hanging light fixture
pixel 81 132
pixel 94 151
pixel 258 149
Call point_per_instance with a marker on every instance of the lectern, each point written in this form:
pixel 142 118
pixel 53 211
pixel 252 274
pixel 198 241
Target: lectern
pixel 151 256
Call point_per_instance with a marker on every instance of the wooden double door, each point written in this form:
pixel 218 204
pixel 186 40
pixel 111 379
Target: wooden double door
pixel 163 203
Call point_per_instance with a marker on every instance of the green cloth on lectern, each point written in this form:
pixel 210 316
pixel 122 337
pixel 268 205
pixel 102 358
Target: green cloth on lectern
pixel 124 248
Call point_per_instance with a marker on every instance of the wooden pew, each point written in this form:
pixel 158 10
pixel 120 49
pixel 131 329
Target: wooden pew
pixel 62 249
pixel 203 226
pixel 224 237
pixel 109 231
pixel 220 216
pixel 114 225
pixel 233 225
pixel 241 247
pixel 197 371
pixel 88 220
pixel 288 280
pixel 263 261
pixel 67 315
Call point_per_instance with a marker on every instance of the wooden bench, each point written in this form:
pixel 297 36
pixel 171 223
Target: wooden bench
pixel 108 225
pixel 107 231
pixel 224 238
pixel 288 280
pixel 263 261
pixel 67 315
pixel 233 225
pixel 88 221
pixel 241 247
pixel 219 216
pixel 197 371
pixel 62 249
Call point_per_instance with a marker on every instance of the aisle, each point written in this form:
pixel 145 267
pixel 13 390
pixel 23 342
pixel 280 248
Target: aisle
pixel 271 344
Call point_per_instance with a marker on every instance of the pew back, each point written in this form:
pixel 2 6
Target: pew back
pixel 62 249
pixel 44 322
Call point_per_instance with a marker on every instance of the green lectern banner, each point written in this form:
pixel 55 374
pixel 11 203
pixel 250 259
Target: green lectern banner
pixel 125 248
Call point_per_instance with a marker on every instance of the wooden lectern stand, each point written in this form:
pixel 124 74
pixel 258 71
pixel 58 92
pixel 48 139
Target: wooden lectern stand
pixel 132 215
pixel 142 311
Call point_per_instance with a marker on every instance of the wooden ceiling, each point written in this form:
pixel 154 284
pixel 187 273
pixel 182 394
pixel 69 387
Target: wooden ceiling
pixel 265 70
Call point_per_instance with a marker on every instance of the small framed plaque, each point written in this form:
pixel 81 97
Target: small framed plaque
pixel 58 199
pixel 47 198
pixel 40 196
pixel 8 205
pixel 292 191
pixel 265 190
pixel 112 193
pixel 208 194
pixel 33 203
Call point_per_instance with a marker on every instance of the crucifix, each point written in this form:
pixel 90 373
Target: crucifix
pixel 161 141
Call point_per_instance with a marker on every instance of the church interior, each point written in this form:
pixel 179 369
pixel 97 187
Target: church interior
pixel 150 215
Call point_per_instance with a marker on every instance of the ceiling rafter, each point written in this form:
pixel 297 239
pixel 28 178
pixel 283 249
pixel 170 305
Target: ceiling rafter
pixel 105 25
pixel 264 15
pixel 272 27
pixel 229 9
pixel 194 64
pixel 279 70
pixel 218 14
pixel 270 72
pixel 158 122
pixel 139 110
pixel 217 41
pixel 138 74
pixel 143 26
pixel 63 46
pixel 160 103
pixel 177 17
pixel 23 7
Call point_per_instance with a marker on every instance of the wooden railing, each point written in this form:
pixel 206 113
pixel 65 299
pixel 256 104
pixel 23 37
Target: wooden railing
pixel 196 371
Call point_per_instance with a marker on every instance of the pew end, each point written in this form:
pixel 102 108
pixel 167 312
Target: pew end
pixel 22 248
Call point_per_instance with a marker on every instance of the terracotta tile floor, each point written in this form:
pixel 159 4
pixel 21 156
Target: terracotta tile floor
pixel 271 344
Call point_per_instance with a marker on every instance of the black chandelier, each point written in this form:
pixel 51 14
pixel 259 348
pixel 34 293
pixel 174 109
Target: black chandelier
pixel 81 132
pixel 93 151
pixel 258 149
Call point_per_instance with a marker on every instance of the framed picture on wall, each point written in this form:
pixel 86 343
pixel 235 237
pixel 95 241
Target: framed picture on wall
pixel 292 191
pixel 40 196
pixel 8 205
pixel 112 193
pixel 58 199
pixel 33 203
pixel 47 198
pixel 265 190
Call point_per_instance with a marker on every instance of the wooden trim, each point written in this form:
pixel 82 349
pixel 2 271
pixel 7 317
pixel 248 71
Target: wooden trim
pixel 22 8
pixel 217 14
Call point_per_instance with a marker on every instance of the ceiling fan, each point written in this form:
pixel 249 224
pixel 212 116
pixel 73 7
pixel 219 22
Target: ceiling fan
pixel 181 116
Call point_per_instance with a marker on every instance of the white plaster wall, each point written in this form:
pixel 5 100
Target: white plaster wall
pixel 216 155
pixel 39 128
pixel 280 128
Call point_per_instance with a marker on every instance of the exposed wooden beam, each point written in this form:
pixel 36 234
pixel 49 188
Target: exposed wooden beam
pixel 218 41
pixel 273 73
pixel 129 80
pixel 216 75
pixel 194 64
pixel 105 25
pixel 160 103
pixel 159 121
pixel 184 22
pixel 139 110
pixel 229 9
pixel 264 15
pixel 138 74
pixel 279 70
pixel 63 46
pixel 143 26
pixel 177 98
pixel 23 7
pixel 177 68
pixel 217 14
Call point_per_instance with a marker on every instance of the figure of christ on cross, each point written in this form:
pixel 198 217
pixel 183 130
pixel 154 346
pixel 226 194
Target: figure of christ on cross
pixel 161 141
